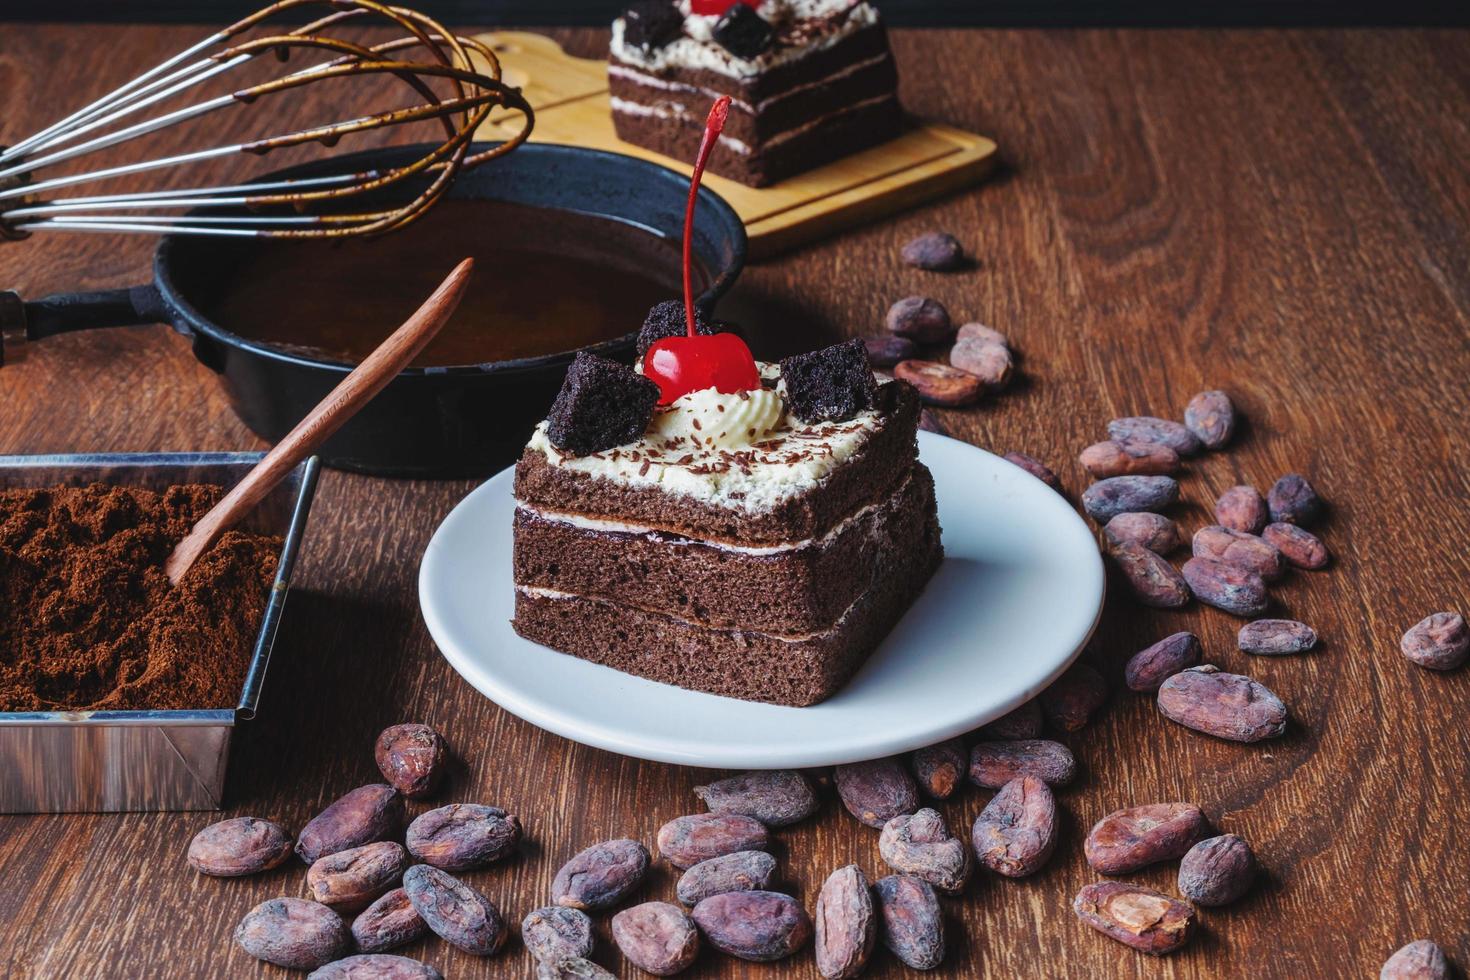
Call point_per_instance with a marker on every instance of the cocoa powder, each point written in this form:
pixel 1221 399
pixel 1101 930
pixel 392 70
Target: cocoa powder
pixel 88 619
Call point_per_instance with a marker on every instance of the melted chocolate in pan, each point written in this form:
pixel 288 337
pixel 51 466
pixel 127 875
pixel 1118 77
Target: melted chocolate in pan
pixel 545 281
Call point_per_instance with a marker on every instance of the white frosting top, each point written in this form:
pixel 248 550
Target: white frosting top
pixel 793 456
pixel 802 27
pixel 708 418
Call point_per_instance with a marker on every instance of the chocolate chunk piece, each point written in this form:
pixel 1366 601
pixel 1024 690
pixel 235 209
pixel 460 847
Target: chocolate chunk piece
pixel 602 404
pixel 743 32
pixel 667 319
pixel 650 24
pixel 831 384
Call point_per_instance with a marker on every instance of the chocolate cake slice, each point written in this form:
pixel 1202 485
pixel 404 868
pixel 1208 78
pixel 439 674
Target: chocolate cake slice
pixel 812 81
pixel 735 548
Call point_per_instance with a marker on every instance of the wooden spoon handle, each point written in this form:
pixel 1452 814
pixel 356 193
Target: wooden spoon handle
pixel 354 391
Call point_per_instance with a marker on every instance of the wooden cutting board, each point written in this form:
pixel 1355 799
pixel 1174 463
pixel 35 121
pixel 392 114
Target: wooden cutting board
pixel 570 96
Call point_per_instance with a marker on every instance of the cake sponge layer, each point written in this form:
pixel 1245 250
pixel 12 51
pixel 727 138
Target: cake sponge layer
pixel 794 670
pixel 802 587
pixel 809 512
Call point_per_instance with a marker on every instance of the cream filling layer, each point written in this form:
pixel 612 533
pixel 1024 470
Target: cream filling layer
pixel 696 49
pixel 536 592
pixel 738 146
pixel 601 525
pixel 668 85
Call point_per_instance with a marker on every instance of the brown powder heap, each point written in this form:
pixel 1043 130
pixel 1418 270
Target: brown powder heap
pixel 88 619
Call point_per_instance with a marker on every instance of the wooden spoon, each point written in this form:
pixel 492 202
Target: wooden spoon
pixel 354 391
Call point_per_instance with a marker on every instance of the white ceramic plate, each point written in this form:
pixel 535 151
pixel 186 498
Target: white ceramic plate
pixel 1016 599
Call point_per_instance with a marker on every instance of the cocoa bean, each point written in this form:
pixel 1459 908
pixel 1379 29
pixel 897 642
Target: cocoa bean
pixel 1151 666
pixel 1439 641
pixel 1151 579
pixel 758 926
pixel 877 791
pixel 940 384
pixel 743 871
pixel 1292 500
pixel 412 758
pixel 1138 836
pixel 993 764
pixel 462 836
pixel 1276 636
pixel 454 911
pixel 240 846
pixel 1227 586
pixel 913 926
pixel 364 816
pixel 1071 699
pixel 572 968
pixel 1036 468
pixel 1114 458
pixel 376 966
pixel 293 933
pixel 846 926
pixel 388 923
pixel 1300 547
pixel 991 363
pixel 1016 833
pixel 1154 532
pixel 1241 509
pixel 1210 415
pixel 921 319
pixel 1116 495
pixel 656 937
pixel 600 876
pixel 555 933
pixel 1239 548
pixel 1164 432
pixel 1018 723
pixel 1139 918
pixel 776 797
pixel 1229 706
pixel 1420 960
pixel 686 841
pixel 353 879
pixel 1217 871
pixel 935 251
pixel 920 844
pixel 888 350
pixel 938 769
pixel 979 331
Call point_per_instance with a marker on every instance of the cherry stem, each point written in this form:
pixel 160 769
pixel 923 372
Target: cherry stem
pixel 712 127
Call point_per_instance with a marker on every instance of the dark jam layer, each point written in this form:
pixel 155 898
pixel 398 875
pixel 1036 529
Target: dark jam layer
pixel 545 281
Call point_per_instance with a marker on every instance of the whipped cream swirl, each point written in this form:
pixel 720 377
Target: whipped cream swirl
pixel 710 419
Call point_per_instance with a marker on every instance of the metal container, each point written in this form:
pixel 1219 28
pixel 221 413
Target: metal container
pixel 92 761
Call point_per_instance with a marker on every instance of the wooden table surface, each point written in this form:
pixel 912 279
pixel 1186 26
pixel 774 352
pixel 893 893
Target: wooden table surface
pixel 1284 215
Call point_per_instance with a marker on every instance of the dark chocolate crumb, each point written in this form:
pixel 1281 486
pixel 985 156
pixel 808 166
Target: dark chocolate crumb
pixel 651 24
pixel 832 384
pixel 602 404
pixel 666 319
pixel 743 32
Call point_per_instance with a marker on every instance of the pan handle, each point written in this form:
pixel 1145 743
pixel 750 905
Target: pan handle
pixel 66 312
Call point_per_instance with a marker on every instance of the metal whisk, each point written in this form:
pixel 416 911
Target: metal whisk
pixel 277 208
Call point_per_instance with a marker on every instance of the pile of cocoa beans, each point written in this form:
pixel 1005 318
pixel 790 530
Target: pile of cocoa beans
pixel 375 885
pixel 918 331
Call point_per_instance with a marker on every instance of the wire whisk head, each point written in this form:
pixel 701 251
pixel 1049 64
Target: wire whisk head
pixel 455 82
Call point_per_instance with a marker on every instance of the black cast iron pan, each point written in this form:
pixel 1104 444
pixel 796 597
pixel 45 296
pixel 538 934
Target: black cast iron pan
pixel 440 422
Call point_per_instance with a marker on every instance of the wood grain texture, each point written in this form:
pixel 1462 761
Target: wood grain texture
pixel 1283 215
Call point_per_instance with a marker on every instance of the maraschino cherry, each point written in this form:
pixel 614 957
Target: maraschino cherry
pixel 714 8
pixel 695 362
